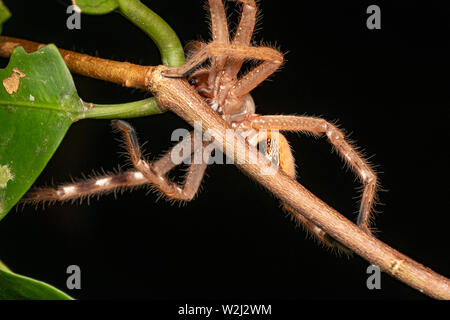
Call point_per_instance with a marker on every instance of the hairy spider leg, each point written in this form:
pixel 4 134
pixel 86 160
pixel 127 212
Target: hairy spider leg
pixel 272 60
pixel 109 183
pixel 318 234
pixel 155 172
pixel 280 151
pixel 219 30
pixel 220 34
pixel 86 188
pixel 350 155
pixel 242 36
pixel 219 24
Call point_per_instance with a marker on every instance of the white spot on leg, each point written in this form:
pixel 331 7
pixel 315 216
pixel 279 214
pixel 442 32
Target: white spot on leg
pixel 332 135
pixel 102 182
pixel 138 176
pixel 364 175
pixel 368 177
pixel 69 190
pixel 347 157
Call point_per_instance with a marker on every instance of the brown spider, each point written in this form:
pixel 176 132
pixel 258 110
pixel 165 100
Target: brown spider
pixel 229 96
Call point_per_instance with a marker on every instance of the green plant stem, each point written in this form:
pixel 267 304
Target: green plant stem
pixel 157 29
pixel 141 108
pixel 171 52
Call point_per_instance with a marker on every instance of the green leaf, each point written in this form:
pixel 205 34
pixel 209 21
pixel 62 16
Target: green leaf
pixel 97 6
pixel 4 14
pixel 17 287
pixel 4 267
pixel 38 103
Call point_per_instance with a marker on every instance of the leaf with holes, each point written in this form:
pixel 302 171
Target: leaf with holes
pixel 38 103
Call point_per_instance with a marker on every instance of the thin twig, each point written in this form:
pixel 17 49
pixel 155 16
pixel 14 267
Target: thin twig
pixel 123 73
pixel 179 97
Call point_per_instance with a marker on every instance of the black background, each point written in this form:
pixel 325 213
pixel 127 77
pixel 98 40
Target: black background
pixel 388 88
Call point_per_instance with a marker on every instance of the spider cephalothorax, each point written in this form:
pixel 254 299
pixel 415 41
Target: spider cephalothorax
pixel 232 109
pixel 229 95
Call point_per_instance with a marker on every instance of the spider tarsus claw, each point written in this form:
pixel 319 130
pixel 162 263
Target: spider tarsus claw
pixel 126 129
pixel 121 125
pixel 114 123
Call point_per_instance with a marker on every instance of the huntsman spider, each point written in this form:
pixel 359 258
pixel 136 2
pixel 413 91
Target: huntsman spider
pixel 227 93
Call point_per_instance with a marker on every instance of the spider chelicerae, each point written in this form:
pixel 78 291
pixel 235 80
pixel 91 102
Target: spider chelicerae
pixel 228 93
